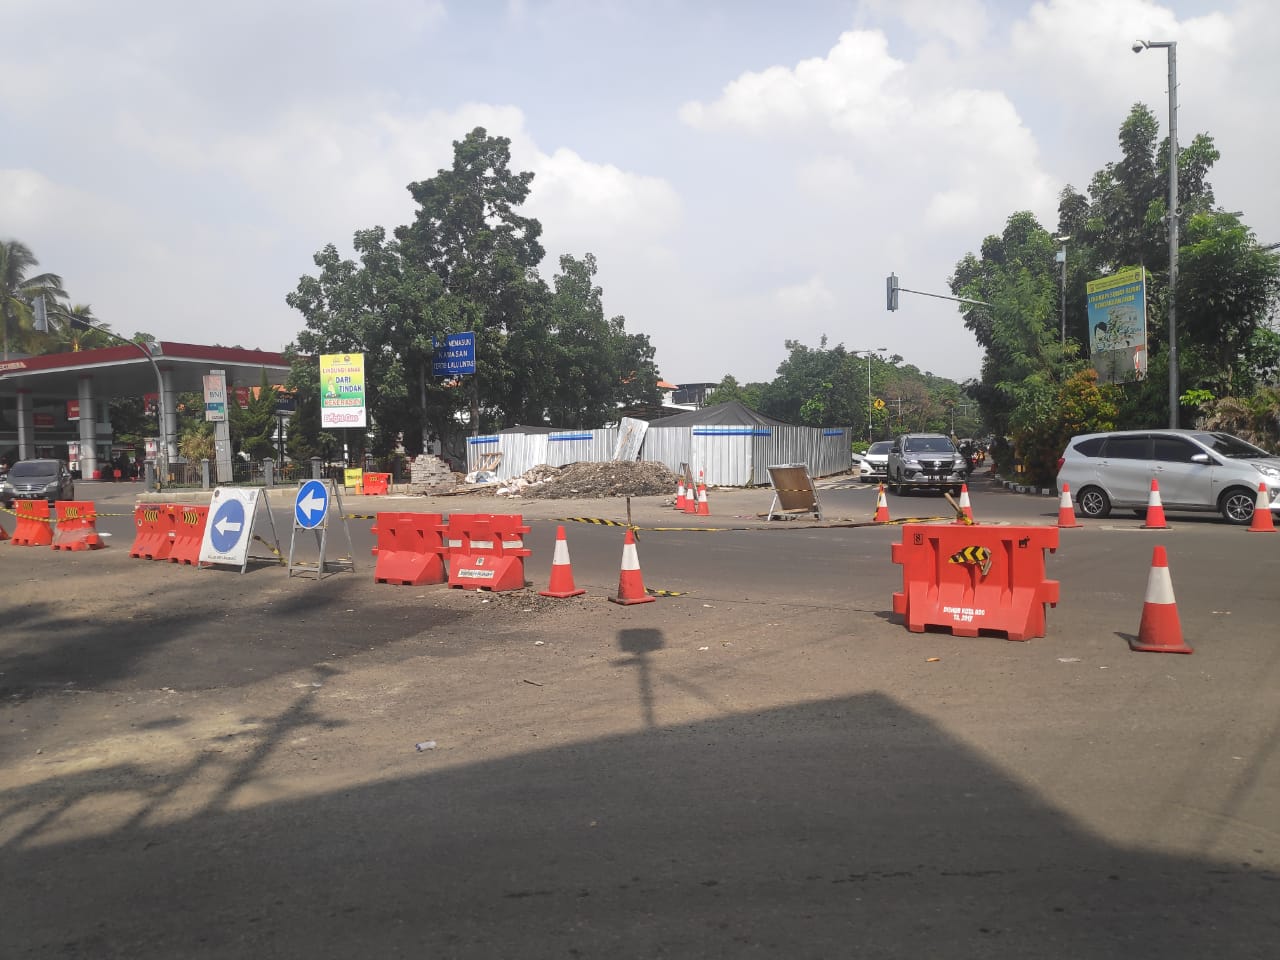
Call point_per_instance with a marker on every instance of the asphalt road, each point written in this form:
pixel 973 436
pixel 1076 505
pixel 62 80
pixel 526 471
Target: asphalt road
pixel 208 764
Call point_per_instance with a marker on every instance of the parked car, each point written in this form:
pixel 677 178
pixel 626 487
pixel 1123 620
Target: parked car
pixel 924 461
pixel 1202 470
pixel 37 480
pixel 875 462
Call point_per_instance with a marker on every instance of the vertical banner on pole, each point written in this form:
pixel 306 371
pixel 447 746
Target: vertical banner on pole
pixel 342 402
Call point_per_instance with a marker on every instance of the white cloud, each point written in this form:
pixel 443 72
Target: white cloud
pixel 804 298
pixel 848 89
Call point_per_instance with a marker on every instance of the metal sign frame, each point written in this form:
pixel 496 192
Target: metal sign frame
pixel 210 556
pixel 322 564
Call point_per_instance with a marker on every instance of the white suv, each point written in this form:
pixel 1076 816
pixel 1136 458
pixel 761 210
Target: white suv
pixel 1201 470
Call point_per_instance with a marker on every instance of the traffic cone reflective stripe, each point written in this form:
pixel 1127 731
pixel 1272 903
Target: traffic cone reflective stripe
pixel 1263 522
pixel 1160 630
pixel 882 508
pixel 1066 511
pixel 966 509
pixel 561 584
pixel 1155 509
pixel 630 583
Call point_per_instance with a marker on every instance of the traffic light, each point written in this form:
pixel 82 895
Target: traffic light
pixel 891 292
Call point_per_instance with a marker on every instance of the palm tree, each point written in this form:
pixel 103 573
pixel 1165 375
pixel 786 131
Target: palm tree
pixel 18 291
pixel 75 328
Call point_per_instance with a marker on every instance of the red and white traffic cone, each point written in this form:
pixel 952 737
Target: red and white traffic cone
pixel 1066 510
pixel 1155 509
pixel 1160 630
pixel 691 496
pixel 966 510
pixel 882 508
pixel 561 584
pixel 1263 522
pixel 704 506
pixel 680 495
pixel 630 583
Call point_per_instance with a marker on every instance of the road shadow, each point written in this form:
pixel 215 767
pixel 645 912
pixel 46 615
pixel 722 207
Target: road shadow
pixel 845 827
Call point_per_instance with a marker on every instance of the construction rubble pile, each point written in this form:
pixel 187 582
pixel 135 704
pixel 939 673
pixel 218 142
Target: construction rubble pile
pixel 616 478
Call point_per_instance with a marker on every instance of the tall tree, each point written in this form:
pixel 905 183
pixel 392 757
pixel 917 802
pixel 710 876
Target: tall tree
pixel 467 231
pixel 18 291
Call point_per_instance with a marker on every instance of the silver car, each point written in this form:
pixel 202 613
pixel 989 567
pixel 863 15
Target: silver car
pixel 1201 470
pixel 924 461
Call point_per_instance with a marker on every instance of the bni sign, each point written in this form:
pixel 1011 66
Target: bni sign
pixel 215 398
pixel 455 355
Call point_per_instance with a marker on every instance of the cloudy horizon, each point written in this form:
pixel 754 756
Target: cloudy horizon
pixel 745 173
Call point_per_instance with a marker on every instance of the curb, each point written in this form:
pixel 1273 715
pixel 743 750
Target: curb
pixel 1024 488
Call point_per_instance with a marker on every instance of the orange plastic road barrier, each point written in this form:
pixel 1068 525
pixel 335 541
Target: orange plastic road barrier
pixel 77 526
pixel 490 551
pixel 4 534
pixel 1160 630
pixel 188 533
pixel 409 549
pixel 155 525
pixel 375 483
pixel 34 528
pixel 975 579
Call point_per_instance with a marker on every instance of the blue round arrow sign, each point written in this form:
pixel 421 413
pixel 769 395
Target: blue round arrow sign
pixel 312 504
pixel 227 526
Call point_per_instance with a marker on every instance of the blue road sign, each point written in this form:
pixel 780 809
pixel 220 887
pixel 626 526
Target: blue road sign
pixel 312 504
pixel 227 526
pixel 455 355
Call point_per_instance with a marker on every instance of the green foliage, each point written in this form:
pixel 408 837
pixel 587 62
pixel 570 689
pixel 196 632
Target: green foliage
pixel 1227 287
pixel 1049 416
pixel 468 262
pixel 253 429
pixel 18 291
pixel 1255 418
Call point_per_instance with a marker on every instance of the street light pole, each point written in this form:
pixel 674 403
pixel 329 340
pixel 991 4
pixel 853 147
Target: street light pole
pixel 870 433
pixel 1062 258
pixel 1171 47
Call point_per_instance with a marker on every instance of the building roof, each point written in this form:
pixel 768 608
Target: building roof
pixel 124 371
pixel 731 413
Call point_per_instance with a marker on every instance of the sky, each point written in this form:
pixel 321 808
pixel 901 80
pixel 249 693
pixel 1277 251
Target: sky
pixel 746 172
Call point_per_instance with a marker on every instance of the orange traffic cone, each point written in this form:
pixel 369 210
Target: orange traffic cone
pixel 1160 630
pixel 966 510
pixel 630 583
pixel 1263 522
pixel 882 508
pixel 691 496
pixel 1066 510
pixel 703 508
pixel 561 584
pixel 680 496
pixel 1155 509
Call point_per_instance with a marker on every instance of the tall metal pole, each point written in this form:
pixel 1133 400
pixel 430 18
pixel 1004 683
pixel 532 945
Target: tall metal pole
pixel 870 435
pixel 1173 233
pixel 1171 48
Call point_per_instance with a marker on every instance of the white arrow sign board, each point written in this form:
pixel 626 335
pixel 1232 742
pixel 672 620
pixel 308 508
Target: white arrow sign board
pixel 229 528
